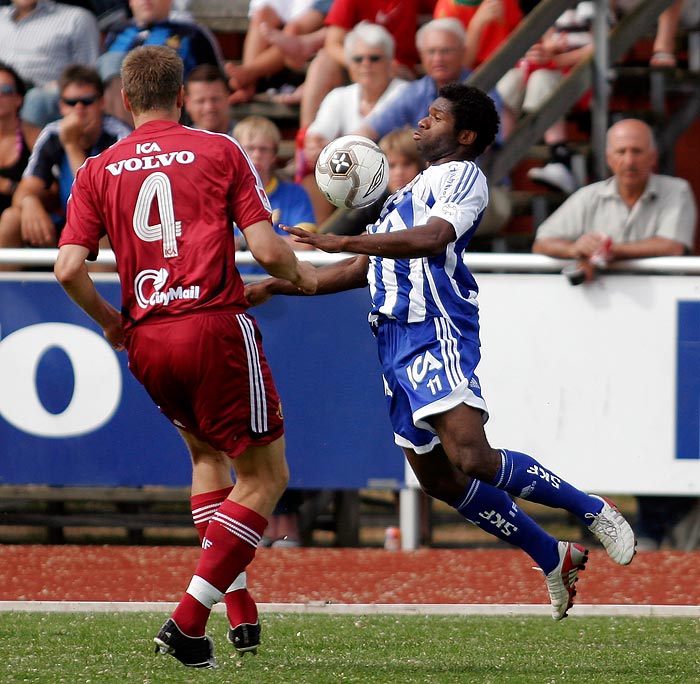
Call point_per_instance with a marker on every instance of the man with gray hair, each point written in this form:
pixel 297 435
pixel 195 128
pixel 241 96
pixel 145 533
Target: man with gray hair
pixel 633 214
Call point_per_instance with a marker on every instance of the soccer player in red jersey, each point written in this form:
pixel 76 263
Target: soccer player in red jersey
pixel 166 196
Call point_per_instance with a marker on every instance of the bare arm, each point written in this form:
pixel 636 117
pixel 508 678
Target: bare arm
pixel 29 186
pixel 348 274
pixel 651 247
pixel 277 257
pixel 420 241
pixel 335 37
pixel 71 272
pixel 559 248
pixel 588 243
pixel 488 12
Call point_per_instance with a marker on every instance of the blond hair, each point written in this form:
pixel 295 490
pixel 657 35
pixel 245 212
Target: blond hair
pixel 258 125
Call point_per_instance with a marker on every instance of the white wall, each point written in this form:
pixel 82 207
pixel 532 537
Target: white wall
pixel 584 378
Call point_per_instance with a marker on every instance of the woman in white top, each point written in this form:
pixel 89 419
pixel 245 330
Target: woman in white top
pixel 369 49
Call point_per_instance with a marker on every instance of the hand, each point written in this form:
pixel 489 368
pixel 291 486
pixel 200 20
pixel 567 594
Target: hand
pixel 587 244
pixel 37 228
pixel 70 129
pixel 313 144
pixel 327 242
pixel 538 55
pixel 488 11
pixel 554 43
pixel 114 334
pixel 257 293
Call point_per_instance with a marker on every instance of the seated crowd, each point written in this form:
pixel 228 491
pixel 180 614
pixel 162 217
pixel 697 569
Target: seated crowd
pixel 350 67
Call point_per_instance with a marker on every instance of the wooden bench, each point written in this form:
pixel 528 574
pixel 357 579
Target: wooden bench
pixel 134 509
pixel 137 509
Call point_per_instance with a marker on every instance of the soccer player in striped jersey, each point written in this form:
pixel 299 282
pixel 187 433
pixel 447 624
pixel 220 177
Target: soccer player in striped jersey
pixel 167 196
pixel 425 317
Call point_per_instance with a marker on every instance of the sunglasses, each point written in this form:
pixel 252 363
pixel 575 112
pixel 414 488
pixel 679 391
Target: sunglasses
pixel 85 101
pixel 370 58
pixel 7 89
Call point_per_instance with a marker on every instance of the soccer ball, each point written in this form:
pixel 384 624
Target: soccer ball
pixel 352 172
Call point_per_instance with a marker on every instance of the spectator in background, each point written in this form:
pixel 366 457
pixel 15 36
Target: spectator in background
pixel 37 213
pixel 527 86
pixel 639 213
pixel 16 140
pixel 40 38
pixel 152 24
pixel 280 34
pixel 206 99
pixel 488 23
pixel 329 67
pixel 260 138
pixel 369 51
pixel 642 215
pixel 405 163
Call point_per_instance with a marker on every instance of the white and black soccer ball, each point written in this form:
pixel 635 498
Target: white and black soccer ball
pixel 352 172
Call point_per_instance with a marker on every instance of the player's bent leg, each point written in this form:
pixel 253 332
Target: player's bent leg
pixel 462 435
pixel 262 475
pixel 241 610
pixel 231 539
pixel 493 511
pixel 211 468
pixel 523 476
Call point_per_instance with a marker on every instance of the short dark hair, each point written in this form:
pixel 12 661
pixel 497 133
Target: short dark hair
pixel 473 110
pixel 206 73
pixel 20 86
pixel 81 75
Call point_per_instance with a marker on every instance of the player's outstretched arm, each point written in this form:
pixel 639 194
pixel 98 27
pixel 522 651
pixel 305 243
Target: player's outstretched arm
pixel 348 274
pixel 71 272
pixel 277 257
pixel 420 241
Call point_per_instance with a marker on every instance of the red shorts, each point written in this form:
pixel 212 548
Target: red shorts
pixel 208 374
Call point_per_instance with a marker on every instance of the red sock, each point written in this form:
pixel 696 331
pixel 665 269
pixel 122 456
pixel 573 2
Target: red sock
pixel 204 506
pixel 231 540
pixel 240 606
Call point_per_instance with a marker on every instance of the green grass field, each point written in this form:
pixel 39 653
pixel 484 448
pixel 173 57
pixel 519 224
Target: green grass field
pixel 55 648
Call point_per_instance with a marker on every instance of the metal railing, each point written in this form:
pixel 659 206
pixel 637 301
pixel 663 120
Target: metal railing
pixel 478 262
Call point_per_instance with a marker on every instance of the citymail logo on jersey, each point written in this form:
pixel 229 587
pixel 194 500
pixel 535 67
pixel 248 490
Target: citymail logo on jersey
pixel 158 295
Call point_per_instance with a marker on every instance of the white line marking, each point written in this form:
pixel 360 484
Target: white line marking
pixel 579 610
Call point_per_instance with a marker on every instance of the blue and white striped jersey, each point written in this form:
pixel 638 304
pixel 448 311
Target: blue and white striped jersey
pixel 413 290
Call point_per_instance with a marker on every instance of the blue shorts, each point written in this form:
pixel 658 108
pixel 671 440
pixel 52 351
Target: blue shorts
pixel 429 368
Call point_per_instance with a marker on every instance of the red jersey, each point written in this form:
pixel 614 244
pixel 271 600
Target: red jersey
pixel 167 196
pixel 399 17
